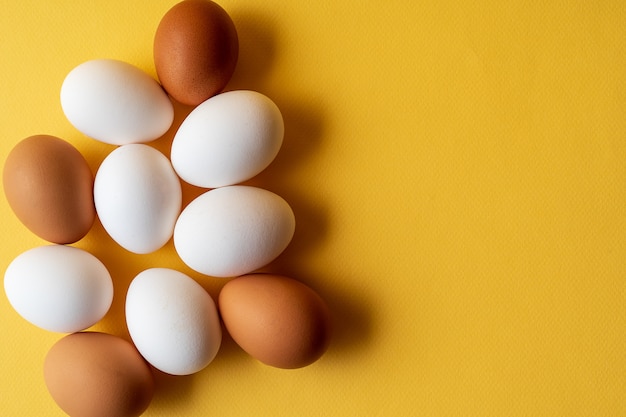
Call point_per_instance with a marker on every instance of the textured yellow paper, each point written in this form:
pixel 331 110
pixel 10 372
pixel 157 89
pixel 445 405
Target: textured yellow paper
pixel 458 174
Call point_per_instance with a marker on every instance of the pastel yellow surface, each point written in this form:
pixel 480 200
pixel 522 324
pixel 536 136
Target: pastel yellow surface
pixel 458 174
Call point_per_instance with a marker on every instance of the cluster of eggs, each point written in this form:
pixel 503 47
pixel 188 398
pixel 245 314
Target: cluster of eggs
pixel 230 230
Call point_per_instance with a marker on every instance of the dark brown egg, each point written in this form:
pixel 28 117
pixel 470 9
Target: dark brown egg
pixel 195 50
pixel 49 186
pixel 277 320
pixel 98 375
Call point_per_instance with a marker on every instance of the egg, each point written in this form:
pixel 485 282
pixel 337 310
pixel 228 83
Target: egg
pixel 233 230
pixel 172 321
pixel 59 288
pixel 227 139
pixel 277 320
pixel 138 197
pixel 115 102
pixel 98 375
pixel 49 187
pixel 195 50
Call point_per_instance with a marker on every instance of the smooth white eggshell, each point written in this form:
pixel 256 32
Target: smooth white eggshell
pixel 59 288
pixel 115 102
pixel 227 139
pixel 172 321
pixel 138 197
pixel 233 230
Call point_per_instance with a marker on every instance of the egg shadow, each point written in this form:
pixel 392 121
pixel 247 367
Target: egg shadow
pixel 229 353
pixel 164 143
pixel 257 49
pixel 170 390
pixel 304 135
pixel 351 320
pixel 122 266
pixel 351 317
pixel 304 132
pixel 311 228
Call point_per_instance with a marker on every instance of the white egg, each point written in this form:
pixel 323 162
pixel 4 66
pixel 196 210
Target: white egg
pixel 227 139
pixel 59 288
pixel 172 321
pixel 233 230
pixel 138 197
pixel 115 102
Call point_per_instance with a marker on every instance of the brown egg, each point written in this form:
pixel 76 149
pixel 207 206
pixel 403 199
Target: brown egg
pixel 98 375
pixel 195 50
pixel 277 320
pixel 49 186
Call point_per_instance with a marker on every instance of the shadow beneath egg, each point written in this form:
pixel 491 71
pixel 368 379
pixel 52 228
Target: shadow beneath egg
pixel 311 229
pixel 350 314
pixel 230 353
pixel 170 390
pixel 352 321
pixel 257 49
pixel 304 129
pixel 304 134
pixel 122 267
pixel 164 143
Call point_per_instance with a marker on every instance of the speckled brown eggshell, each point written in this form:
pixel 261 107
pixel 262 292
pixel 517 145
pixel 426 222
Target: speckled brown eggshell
pixel 195 50
pixel 275 319
pixel 49 186
pixel 98 375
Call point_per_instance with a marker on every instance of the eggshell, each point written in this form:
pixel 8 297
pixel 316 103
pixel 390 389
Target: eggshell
pixel 227 139
pixel 59 288
pixel 138 197
pixel 98 375
pixel 115 102
pixel 277 320
pixel 233 230
pixel 173 321
pixel 49 186
pixel 195 50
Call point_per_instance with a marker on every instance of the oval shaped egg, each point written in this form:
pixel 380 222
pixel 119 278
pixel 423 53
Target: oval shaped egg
pixel 138 197
pixel 173 321
pixel 277 320
pixel 195 50
pixel 59 288
pixel 98 375
pixel 49 186
pixel 227 139
pixel 115 102
pixel 233 230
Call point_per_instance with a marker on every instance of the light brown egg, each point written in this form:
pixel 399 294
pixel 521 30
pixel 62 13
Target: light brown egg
pixel 195 50
pixel 98 375
pixel 49 186
pixel 277 320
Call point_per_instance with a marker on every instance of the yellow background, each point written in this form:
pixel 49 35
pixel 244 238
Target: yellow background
pixel 458 174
